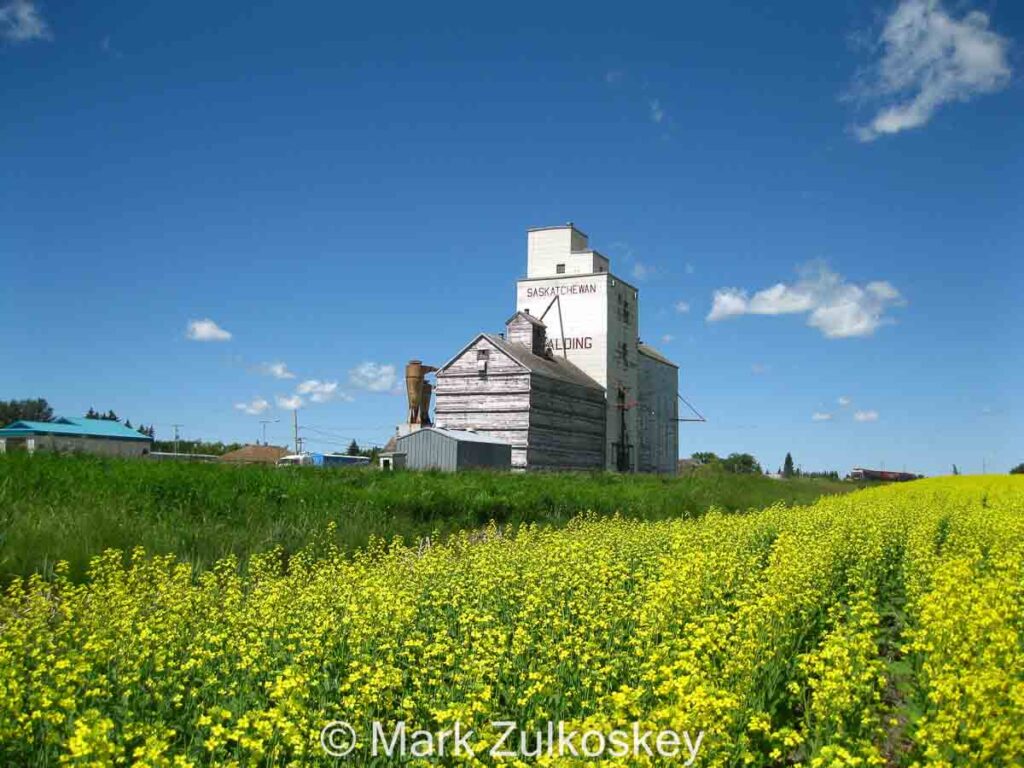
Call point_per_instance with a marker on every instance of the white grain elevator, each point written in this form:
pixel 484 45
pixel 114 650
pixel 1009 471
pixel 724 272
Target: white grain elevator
pixel 592 319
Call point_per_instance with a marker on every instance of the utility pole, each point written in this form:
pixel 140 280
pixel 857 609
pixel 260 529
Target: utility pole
pixel 264 422
pixel 295 430
pixel 176 426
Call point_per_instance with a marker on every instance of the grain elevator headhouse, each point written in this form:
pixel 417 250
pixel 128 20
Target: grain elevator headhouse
pixel 588 320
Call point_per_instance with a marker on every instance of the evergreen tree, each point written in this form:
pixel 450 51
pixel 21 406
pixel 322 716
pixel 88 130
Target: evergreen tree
pixel 353 448
pixel 24 410
pixel 787 466
pixel 92 414
pixel 128 423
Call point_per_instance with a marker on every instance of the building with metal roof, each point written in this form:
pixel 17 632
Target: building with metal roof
pixel 450 450
pixel 512 388
pixel 569 385
pixel 75 435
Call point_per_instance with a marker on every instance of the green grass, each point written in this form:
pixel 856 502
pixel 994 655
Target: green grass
pixel 73 507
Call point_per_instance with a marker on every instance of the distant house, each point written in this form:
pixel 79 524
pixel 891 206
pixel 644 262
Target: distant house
pixel 685 466
pixel 75 435
pixel 255 454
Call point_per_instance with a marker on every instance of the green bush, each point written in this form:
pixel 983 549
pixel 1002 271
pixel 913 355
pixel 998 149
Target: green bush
pixel 73 507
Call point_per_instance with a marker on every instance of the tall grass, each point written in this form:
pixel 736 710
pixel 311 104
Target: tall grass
pixel 72 508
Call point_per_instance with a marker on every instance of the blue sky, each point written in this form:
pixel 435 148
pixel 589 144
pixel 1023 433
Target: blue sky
pixel 832 191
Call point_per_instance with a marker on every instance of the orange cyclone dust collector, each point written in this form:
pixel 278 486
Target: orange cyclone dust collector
pixel 418 391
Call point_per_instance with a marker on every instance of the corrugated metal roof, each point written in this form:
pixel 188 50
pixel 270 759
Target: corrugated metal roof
pixel 78 427
pixel 554 367
pixel 651 352
pixel 457 434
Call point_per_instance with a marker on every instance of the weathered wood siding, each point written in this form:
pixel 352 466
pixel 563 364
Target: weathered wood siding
pixel 521 331
pixel 493 402
pixel 658 410
pixel 550 423
pixel 567 426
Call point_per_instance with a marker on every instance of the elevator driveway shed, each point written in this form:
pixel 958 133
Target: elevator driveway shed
pixel 453 449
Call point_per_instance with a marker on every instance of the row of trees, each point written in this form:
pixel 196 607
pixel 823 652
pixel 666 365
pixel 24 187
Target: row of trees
pixel 745 464
pixel 111 416
pixel 25 410
pixel 215 448
pixel 38 409
pixel 788 470
pixel 736 463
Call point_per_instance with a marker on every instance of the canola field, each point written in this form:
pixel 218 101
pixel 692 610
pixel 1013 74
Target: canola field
pixel 884 627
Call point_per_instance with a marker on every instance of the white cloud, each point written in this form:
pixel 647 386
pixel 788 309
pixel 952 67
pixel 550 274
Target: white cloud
pixel 865 416
pixel 277 370
pixel 289 403
pixel 843 400
pixel 727 302
pixel 641 271
pixel 758 369
pixel 682 307
pixel 657 111
pixel 668 338
pixel 929 58
pixel 614 76
pixel 689 268
pixel 835 307
pixel 376 377
pixel 20 21
pixel 321 391
pixel 254 407
pixel 818 416
pixel 206 330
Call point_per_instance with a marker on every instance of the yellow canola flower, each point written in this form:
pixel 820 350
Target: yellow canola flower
pixel 882 627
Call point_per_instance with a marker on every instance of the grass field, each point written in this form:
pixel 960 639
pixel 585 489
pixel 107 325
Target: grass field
pixel 884 627
pixel 72 508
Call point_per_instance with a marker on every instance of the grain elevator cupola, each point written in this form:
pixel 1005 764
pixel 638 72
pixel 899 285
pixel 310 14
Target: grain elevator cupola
pixel 569 385
pixel 523 328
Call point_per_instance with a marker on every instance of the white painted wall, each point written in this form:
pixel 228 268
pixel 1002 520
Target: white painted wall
pixel 556 251
pixel 600 320
pixel 623 366
pixel 583 304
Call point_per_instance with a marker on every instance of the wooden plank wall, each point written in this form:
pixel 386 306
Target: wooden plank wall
pixel 496 403
pixel 550 424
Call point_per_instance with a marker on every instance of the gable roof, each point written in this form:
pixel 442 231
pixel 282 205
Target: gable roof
pixel 528 317
pixel 256 454
pixel 75 427
pixel 552 367
pixel 654 354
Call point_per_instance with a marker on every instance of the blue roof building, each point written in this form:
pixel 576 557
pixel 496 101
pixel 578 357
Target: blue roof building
pixel 72 435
